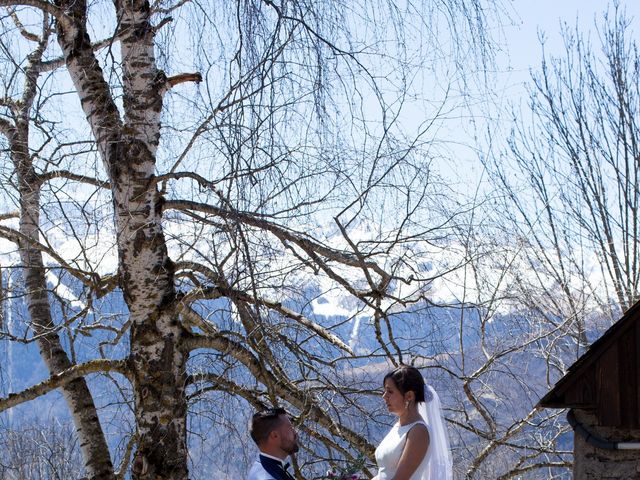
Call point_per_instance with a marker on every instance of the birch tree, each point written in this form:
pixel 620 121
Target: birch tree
pixel 565 203
pixel 219 143
pixel 576 211
pixel 17 131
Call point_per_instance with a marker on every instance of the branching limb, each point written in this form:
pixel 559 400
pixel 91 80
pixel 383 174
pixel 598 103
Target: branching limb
pixel 23 31
pixel 519 472
pixel 497 441
pixel 90 279
pixel 121 473
pixel 9 215
pixel 302 240
pixel 47 7
pixel 63 378
pixel 284 389
pixel 242 296
pixel 6 128
pixel 47 176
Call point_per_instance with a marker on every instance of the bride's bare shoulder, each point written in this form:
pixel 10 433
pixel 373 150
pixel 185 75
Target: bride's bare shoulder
pixel 419 432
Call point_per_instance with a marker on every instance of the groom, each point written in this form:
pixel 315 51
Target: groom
pixel 276 438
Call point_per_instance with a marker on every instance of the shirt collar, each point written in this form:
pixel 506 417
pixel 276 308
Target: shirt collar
pixel 280 460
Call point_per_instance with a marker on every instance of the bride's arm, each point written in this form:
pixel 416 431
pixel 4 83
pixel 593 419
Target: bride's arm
pixel 413 453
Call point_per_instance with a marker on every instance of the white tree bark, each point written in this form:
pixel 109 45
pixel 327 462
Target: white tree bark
pixel 270 351
pixel 146 273
pixel 97 460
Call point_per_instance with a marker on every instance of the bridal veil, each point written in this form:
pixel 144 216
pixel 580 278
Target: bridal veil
pixel 440 466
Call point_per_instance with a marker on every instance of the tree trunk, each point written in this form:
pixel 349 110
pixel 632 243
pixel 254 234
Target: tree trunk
pixel 146 273
pixel 157 360
pixel 97 461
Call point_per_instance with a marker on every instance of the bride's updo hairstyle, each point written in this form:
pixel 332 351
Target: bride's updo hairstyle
pixel 407 379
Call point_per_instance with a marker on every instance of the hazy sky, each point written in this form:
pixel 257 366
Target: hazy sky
pixel 519 53
pixel 532 16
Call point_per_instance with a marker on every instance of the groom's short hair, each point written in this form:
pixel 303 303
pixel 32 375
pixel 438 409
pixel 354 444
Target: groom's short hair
pixel 265 422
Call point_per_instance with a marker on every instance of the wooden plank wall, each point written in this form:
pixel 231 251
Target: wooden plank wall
pixel 582 393
pixel 617 382
pixel 608 387
pixel 628 359
pixel 608 383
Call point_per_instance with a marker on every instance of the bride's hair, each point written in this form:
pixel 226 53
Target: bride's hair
pixel 407 379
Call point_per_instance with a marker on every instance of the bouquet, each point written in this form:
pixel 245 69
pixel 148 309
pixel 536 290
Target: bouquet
pixel 350 472
pixel 335 474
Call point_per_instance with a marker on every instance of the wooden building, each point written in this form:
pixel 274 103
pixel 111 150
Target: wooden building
pixel 602 391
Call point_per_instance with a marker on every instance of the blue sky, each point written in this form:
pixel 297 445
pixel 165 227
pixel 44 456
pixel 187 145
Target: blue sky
pixel 519 53
pixel 532 16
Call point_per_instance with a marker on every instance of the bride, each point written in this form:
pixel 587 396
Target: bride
pixel 417 447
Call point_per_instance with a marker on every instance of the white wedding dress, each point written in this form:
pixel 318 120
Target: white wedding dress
pixel 390 449
pixel 437 463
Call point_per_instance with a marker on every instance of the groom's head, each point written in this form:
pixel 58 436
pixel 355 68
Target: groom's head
pixel 273 432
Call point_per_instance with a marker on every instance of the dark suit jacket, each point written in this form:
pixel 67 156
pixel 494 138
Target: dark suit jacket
pixel 266 468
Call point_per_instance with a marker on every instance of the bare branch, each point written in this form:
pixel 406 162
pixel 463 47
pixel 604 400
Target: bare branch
pixel 302 240
pixel 285 389
pixel 62 379
pixel 8 215
pixel 6 128
pixel 238 295
pixel 23 31
pixel 53 10
pixel 183 78
pixel 17 237
pixel 126 458
pixel 75 177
